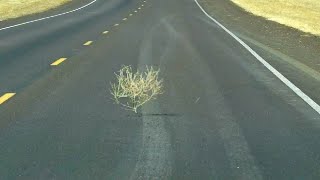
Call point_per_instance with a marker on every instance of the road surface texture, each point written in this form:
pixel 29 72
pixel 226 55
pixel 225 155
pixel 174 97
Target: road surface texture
pixel 223 114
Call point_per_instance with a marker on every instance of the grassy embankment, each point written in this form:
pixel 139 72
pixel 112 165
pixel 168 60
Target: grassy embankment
pixel 300 14
pixel 17 8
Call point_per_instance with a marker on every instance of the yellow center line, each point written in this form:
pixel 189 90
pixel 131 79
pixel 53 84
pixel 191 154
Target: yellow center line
pixel 125 19
pixel 88 43
pixel 116 25
pixel 57 62
pixel 105 32
pixel 6 97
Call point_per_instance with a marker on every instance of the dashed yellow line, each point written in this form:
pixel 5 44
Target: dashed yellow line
pixel 57 62
pixel 88 43
pixel 6 97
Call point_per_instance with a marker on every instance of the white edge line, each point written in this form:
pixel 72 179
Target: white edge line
pixel 287 82
pixel 44 18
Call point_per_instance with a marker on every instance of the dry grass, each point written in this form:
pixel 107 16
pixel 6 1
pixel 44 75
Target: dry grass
pixel 134 89
pixel 299 14
pixel 17 8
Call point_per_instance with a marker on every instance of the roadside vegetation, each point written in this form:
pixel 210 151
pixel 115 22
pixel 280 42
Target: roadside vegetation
pixel 17 8
pixel 300 14
pixel 133 89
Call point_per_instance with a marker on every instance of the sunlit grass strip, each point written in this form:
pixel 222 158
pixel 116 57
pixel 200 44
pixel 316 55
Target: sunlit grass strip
pixel 300 14
pixel 133 89
pixel 17 8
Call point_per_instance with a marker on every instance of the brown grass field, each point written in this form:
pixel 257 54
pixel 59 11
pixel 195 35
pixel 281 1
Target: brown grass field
pixel 300 14
pixel 17 8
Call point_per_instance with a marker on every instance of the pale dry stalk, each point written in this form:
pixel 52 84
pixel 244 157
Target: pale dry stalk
pixel 133 89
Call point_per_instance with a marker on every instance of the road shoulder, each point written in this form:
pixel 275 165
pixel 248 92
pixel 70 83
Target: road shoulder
pixel 61 9
pixel 293 52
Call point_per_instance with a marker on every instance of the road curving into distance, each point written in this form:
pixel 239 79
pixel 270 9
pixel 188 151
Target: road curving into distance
pixel 47 17
pixel 223 114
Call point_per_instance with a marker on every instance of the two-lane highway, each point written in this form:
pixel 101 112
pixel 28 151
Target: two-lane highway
pixel 27 51
pixel 223 115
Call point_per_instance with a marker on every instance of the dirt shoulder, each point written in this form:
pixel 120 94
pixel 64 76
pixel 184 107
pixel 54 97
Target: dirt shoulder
pixel 300 14
pixel 294 53
pixel 70 5
pixel 19 8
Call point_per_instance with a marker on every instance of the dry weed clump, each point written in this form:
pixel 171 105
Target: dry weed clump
pixel 134 89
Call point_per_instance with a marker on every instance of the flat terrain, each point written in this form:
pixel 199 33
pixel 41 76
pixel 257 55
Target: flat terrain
pixel 222 115
pixel 17 8
pixel 301 14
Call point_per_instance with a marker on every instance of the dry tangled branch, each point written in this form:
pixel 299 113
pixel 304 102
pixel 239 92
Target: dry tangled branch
pixel 134 89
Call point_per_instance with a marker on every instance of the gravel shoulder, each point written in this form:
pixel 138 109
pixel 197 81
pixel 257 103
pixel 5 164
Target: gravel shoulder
pixel 294 53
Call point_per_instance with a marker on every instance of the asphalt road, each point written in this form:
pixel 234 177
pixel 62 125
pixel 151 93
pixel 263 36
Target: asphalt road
pixel 223 114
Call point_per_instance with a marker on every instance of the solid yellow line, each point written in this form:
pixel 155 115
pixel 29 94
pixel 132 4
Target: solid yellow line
pixel 125 19
pixel 105 32
pixel 57 62
pixel 88 43
pixel 6 97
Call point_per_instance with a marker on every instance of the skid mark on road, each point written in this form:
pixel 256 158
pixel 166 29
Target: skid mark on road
pixel 154 159
pixel 237 150
pixel 238 153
